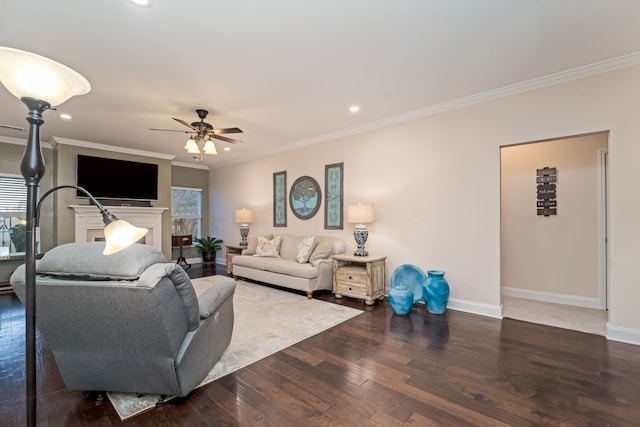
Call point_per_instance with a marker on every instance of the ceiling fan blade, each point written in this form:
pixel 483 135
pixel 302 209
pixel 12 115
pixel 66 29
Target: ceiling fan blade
pixel 173 130
pixel 227 130
pixel 184 123
pixel 225 139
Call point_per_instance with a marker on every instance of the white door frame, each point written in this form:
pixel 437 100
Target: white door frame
pixel 603 227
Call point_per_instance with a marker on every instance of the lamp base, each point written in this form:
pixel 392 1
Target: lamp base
pixel 244 233
pixel 360 233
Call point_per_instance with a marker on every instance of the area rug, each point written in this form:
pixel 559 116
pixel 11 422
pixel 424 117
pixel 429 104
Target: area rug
pixel 267 320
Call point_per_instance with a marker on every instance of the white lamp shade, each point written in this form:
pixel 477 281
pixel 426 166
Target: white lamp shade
pixel 26 74
pixel 244 216
pixel 210 148
pixel 192 146
pixel 119 234
pixel 360 213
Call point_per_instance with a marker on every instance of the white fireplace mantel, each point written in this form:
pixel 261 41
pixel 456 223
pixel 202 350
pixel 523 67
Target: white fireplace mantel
pixel 90 226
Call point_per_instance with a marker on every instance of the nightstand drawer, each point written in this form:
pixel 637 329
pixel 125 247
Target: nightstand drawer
pixel 351 274
pixel 351 289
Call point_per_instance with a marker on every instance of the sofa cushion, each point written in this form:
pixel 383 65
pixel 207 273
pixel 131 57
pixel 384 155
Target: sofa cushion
pixel 253 244
pixel 249 261
pixel 85 261
pixel 291 268
pixel 268 248
pixel 304 249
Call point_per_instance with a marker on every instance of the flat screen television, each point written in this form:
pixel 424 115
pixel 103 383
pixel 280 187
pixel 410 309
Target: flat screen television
pixel 117 179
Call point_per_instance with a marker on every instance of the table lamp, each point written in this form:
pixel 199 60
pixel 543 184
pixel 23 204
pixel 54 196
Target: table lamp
pixel 360 214
pixel 244 217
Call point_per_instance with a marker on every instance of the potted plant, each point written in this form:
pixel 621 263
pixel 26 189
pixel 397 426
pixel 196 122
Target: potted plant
pixel 208 246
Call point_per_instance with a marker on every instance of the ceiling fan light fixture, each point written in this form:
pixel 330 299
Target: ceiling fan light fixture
pixel 210 148
pixel 192 146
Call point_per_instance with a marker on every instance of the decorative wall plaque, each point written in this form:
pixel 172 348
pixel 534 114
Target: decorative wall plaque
pixel 280 199
pixel 333 204
pixel 305 197
pixel 546 179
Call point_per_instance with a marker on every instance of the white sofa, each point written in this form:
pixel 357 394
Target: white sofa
pixel 284 270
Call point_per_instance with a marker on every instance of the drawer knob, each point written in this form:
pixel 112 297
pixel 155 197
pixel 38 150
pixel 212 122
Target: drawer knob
pixel 350 277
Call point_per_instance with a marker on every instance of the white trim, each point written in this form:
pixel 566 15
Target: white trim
pixel 578 301
pixel 487 310
pixel 189 165
pixel 602 228
pixel 621 334
pixel 187 188
pixel 55 140
pixel 20 141
pixel 528 85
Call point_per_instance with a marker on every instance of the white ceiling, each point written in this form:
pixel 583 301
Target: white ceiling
pixel 287 71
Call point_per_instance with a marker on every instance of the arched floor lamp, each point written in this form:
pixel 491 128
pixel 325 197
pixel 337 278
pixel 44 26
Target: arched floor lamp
pixel 41 84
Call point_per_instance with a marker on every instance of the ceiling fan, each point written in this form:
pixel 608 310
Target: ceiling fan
pixel 202 135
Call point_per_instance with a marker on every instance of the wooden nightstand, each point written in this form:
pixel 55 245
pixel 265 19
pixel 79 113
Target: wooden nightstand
pixel 359 277
pixel 232 250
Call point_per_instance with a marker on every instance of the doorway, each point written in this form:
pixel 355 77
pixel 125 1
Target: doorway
pixel 554 231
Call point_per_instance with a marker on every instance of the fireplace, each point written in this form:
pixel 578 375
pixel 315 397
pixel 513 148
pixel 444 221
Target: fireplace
pixel 90 227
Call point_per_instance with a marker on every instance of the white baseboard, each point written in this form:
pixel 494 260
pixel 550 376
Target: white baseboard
pixel 621 334
pixel 577 301
pixel 488 310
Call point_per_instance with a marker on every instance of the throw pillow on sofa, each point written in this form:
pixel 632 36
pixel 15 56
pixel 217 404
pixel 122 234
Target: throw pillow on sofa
pixel 322 251
pixel 268 247
pixel 306 245
pixel 253 244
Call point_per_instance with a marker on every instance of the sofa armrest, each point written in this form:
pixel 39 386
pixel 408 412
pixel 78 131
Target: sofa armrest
pixel 214 297
pixel 317 262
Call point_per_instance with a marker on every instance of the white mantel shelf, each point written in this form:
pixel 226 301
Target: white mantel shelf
pixel 89 224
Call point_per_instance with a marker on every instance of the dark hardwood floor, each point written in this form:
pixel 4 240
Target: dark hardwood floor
pixel 377 369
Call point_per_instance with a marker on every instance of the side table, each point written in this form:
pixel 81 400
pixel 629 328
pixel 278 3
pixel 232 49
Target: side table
pixel 359 277
pixel 232 250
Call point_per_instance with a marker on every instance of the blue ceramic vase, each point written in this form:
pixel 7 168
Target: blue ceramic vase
pixel 436 292
pixel 401 299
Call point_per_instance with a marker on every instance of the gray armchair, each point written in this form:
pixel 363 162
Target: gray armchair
pixel 130 321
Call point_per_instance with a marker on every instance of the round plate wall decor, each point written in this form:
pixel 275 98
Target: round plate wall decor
pixel 305 197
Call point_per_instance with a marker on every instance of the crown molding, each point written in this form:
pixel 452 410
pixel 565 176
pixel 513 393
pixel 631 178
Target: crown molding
pixel 528 85
pixel 602 67
pixel 20 141
pixel 55 140
pixel 189 165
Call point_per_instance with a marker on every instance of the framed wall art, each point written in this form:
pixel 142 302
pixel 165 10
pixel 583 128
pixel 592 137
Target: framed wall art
pixel 280 199
pixel 305 197
pixel 333 203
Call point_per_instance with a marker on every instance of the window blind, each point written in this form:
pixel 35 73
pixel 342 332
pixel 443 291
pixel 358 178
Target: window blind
pixel 13 195
pixel 186 202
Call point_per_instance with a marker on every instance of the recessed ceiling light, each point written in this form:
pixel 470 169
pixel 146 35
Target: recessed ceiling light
pixel 227 149
pixel 143 3
pixel 354 109
pixel 65 116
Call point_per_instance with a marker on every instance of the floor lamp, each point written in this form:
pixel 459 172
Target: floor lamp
pixel 41 84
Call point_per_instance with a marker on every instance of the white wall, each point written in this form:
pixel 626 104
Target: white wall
pixel 435 182
pixel 557 257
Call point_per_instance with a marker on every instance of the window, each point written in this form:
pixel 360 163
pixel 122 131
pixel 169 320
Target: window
pixel 13 210
pixel 186 211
